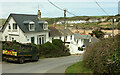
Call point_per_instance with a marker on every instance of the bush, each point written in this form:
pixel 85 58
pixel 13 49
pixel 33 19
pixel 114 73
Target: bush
pixel 98 33
pixel 104 56
pixel 80 48
pixel 55 49
pixel 16 46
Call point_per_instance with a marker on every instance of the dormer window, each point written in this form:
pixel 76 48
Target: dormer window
pixel 31 26
pixel 45 25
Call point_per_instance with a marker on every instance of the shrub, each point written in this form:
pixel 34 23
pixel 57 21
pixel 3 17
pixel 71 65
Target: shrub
pixel 55 49
pixel 104 56
pixel 80 48
pixel 98 33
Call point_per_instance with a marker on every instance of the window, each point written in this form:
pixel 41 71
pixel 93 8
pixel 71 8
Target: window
pixel 5 38
pixel 32 39
pixel 60 37
pixel 12 39
pixel 14 26
pixel 41 39
pixel 66 38
pixel 71 37
pixel 31 27
pixel 77 41
pixel 9 27
pixel 9 37
pixel 45 26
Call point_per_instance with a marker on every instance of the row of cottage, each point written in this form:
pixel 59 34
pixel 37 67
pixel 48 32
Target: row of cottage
pixel 26 28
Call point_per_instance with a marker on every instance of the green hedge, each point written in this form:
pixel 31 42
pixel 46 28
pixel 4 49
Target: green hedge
pixel 54 49
pixel 104 56
pixel 16 46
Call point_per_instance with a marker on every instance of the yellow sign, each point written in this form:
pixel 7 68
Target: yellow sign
pixel 13 53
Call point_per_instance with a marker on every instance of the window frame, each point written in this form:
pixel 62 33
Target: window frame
pixel 9 27
pixel 45 26
pixel 31 26
pixel 15 26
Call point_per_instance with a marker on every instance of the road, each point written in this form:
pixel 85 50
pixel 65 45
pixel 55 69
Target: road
pixel 49 65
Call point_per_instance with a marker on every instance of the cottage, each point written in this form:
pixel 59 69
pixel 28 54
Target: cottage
pixel 80 41
pixel 26 28
pixel 64 34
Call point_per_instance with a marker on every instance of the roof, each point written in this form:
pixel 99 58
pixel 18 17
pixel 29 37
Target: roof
pixel 78 36
pixel 54 32
pixel 59 32
pixel 65 32
pixel 20 19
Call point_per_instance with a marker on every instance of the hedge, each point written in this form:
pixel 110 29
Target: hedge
pixel 55 49
pixel 104 56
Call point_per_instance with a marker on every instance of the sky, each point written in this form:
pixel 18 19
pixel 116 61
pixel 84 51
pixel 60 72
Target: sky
pixel 59 0
pixel 78 7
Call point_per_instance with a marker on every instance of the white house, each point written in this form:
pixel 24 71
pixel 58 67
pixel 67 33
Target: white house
pixel 25 28
pixel 81 41
pixel 64 34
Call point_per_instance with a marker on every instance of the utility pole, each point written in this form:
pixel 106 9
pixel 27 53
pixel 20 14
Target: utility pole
pixel 64 24
pixel 113 28
pixel 64 17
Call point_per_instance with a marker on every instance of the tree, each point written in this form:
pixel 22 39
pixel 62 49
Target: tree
pixel 98 33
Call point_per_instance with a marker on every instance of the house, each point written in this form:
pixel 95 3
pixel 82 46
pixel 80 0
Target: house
pixel 64 34
pixel 80 41
pixel 25 28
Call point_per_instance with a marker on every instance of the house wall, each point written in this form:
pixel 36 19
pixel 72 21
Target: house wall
pixel 74 46
pixel 35 35
pixel 17 34
pixel 62 38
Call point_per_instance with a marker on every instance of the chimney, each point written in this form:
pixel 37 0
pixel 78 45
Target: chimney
pixel 39 14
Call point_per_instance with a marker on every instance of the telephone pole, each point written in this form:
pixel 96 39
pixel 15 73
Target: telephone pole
pixel 64 17
pixel 113 27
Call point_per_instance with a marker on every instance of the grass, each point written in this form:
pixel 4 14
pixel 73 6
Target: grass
pixel 78 68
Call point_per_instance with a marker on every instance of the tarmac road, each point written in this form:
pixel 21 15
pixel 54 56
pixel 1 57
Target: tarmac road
pixel 49 65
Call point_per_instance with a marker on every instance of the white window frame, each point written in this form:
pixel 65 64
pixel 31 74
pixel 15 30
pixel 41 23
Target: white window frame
pixel 45 25
pixel 15 26
pixel 31 23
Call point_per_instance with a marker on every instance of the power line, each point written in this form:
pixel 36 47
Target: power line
pixel 101 8
pixel 61 8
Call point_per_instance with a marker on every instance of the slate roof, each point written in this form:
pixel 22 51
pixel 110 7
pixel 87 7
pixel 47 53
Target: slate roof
pixel 24 18
pixel 59 32
pixel 54 32
pixel 78 36
pixel 65 32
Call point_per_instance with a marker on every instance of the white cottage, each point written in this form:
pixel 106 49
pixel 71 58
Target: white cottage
pixel 25 28
pixel 81 41
pixel 64 34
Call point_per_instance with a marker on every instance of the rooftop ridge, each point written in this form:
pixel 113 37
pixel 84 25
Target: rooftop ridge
pixel 23 14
